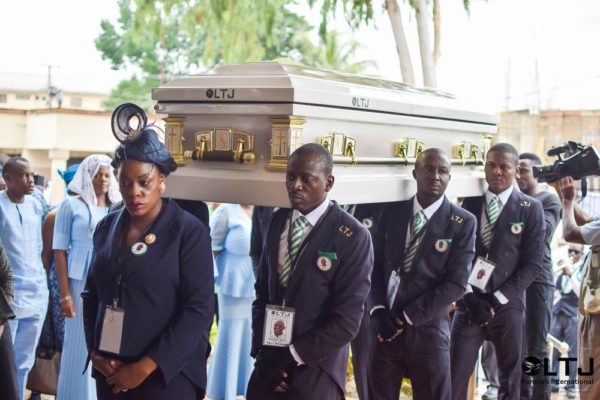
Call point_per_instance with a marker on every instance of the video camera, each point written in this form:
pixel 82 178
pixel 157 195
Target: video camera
pixel 574 160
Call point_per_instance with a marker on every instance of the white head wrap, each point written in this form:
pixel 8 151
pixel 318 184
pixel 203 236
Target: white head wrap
pixel 82 181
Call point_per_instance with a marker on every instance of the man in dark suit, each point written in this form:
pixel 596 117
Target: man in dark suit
pixel 540 294
pixel 509 249
pixel 423 251
pixel 364 342
pixel 317 262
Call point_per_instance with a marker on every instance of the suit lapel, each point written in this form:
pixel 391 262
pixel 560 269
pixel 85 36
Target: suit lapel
pixel 396 234
pixel 319 236
pixel 278 222
pixel 114 233
pixel 509 211
pixel 435 228
pixel 163 228
pixel 475 206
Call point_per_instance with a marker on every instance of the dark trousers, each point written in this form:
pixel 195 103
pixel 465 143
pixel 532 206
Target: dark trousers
pixel 505 331
pixel 8 369
pixel 362 354
pixel 306 382
pixel 153 388
pixel 489 364
pixel 564 328
pixel 538 313
pixel 420 354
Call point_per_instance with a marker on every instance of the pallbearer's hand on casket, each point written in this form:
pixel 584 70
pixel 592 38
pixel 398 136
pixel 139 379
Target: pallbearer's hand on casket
pixel 388 325
pixel 270 362
pixel 480 310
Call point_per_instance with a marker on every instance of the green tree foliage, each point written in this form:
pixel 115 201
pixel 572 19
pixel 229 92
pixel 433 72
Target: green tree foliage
pixel 158 39
pixel 337 55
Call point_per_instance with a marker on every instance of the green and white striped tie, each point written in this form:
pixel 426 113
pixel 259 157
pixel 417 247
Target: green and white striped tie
pixel 492 216
pixel 295 241
pixel 418 224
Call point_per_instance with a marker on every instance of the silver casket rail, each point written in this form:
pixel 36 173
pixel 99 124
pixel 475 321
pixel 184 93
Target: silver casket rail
pixel 232 129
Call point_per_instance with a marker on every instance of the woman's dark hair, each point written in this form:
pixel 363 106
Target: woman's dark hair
pixel 139 142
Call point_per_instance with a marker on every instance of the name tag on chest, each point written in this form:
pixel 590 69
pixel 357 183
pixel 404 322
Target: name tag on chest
pixel 481 273
pixel 392 288
pixel 112 330
pixel 279 325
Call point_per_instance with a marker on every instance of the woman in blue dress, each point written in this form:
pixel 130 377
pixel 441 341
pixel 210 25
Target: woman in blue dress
pixel 96 189
pixel 231 364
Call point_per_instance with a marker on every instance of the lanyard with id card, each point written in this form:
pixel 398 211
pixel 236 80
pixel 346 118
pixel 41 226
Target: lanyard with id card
pixel 112 329
pixel 394 281
pixel 114 316
pixel 392 288
pixel 481 273
pixel 279 325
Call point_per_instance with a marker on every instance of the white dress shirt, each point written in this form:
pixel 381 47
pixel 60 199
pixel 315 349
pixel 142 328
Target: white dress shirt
pixel 312 217
pixel 429 211
pixel 503 196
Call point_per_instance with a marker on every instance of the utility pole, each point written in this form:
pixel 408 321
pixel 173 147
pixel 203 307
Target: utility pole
pixel 52 90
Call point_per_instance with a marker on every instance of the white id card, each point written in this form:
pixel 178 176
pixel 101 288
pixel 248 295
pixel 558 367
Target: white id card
pixel 112 330
pixel 481 273
pixel 279 325
pixel 392 288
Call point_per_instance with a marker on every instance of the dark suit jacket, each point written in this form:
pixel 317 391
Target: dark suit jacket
pixel 329 304
pixel 437 278
pixel 368 214
pixel 260 222
pixel 518 257
pixel 167 293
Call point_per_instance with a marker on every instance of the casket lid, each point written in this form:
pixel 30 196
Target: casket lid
pixel 275 82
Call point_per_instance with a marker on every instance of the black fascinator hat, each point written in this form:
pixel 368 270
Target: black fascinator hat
pixel 139 140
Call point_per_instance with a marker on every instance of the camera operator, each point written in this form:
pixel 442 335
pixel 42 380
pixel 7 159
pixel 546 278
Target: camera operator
pixel 540 293
pixel 579 227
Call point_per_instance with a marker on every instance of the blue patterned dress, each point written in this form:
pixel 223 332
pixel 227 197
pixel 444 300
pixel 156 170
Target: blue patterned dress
pixel 73 231
pixel 231 365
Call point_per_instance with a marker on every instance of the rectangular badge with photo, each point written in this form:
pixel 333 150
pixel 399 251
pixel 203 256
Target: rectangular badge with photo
pixel 481 273
pixel 279 325
pixel 112 330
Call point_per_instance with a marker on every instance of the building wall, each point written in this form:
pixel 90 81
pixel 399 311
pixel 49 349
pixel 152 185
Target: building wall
pixel 49 138
pixel 539 132
pixel 37 99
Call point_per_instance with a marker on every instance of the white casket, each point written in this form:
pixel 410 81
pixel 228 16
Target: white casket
pixel 232 129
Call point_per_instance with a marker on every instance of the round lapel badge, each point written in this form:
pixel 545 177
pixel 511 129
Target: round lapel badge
pixel 516 228
pixel 367 223
pixel 324 263
pixel 441 245
pixel 150 238
pixel 139 248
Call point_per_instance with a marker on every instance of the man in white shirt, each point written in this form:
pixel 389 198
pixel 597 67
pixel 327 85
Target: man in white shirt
pixel 315 271
pixel 509 249
pixel 415 284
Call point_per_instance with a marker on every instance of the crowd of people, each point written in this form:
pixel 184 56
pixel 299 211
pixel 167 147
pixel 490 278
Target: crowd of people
pixel 122 279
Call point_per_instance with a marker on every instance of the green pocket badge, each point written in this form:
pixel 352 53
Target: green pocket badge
pixel 516 227
pixel 441 245
pixel 324 262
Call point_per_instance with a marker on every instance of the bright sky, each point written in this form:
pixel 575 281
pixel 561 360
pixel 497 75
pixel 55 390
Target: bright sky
pixel 488 57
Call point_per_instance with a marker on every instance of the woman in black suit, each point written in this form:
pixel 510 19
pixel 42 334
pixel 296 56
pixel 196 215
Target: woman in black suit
pixel 148 302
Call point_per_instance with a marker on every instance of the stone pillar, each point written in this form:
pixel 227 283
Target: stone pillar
pixel 58 160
